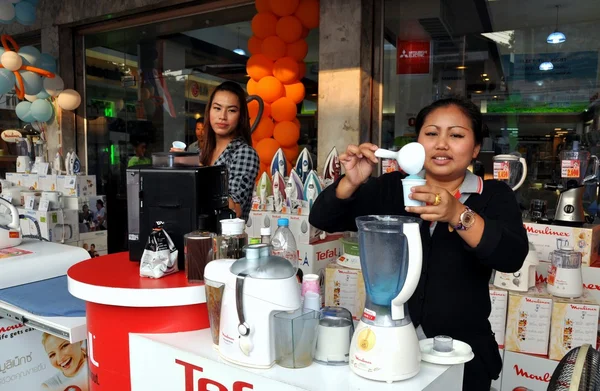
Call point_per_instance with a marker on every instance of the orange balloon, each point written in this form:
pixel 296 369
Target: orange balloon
pixel 305 32
pixel 283 7
pixel 251 87
pixel 270 89
pixel 301 70
pixel 266 149
pixel 262 5
pixel 296 121
pixel 283 109
pixel 273 47
pixel 263 24
pixel 297 50
pixel 286 133
pixel 253 109
pixel 286 70
pixel 289 29
pixel 259 66
pixel 295 91
pixel 308 13
pixel 264 129
pixel 291 154
pixel 254 45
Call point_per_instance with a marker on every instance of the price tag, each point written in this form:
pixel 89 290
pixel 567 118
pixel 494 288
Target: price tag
pixel 44 205
pixel 501 171
pixel 29 202
pixel 70 181
pixel 569 169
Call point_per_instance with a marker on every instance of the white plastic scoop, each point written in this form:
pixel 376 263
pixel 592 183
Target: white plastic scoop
pixel 410 157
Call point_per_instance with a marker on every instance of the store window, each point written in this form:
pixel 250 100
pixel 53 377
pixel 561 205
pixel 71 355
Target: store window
pixel 532 68
pixel 149 85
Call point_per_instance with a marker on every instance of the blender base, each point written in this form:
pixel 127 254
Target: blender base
pixel 385 353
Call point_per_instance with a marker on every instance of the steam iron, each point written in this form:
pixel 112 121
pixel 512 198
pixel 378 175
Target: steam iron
pixel 10 228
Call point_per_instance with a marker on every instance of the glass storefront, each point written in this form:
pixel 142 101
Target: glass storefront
pixel 150 84
pixel 531 66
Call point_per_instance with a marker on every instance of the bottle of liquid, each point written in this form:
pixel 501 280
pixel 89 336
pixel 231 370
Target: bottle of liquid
pixel 265 235
pixel 283 242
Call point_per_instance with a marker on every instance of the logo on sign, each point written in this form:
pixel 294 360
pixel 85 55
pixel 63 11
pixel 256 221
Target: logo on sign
pixel 206 384
pixel 544 378
pixel 545 231
pixel 323 255
pixel 413 57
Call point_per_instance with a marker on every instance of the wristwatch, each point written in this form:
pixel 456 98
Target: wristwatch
pixel 466 220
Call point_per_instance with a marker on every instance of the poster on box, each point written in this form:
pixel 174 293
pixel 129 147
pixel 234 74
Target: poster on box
pixel 31 360
pixel 92 215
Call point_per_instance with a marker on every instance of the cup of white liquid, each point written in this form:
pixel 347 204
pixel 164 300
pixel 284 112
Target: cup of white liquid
pixel 408 183
pixel 179 145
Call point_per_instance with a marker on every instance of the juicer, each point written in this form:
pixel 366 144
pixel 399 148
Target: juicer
pixel 385 346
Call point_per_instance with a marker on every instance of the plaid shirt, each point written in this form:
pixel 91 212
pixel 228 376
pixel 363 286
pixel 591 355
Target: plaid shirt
pixel 243 164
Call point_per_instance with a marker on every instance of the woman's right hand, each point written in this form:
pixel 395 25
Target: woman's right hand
pixel 358 162
pixel 176 150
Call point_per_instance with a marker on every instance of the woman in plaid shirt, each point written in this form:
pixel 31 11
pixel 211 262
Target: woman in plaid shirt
pixel 228 143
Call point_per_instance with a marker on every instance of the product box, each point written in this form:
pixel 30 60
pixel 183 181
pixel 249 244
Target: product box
pixel 304 233
pixel 528 321
pixel 313 258
pixel 55 226
pixel 97 240
pixel 497 384
pixel 31 181
pixel 547 238
pixel 17 179
pixel 256 220
pixel 345 288
pixel 47 182
pixel 522 372
pixel 574 323
pixel 76 185
pixel 499 300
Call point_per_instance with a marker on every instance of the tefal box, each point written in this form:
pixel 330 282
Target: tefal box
pixel 574 323
pixel 256 221
pixel 314 258
pixel 525 372
pixel 345 288
pixel 303 231
pixel 528 321
pixel 547 238
pixel 499 300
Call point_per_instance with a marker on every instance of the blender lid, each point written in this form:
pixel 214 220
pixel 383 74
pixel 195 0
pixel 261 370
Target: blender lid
pixel 257 264
pixel 459 354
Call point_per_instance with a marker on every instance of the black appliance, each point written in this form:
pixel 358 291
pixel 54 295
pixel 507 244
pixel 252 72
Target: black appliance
pixel 184 198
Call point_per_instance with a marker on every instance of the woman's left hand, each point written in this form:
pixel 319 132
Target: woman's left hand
pixel 447 209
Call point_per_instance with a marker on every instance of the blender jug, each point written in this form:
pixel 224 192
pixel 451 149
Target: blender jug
pixel 511 169
pixel 573 167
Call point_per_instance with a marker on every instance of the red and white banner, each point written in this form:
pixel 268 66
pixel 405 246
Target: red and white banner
pixel 413 57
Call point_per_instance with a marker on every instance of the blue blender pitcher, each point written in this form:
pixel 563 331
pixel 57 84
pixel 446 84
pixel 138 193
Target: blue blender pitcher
pixel 385 346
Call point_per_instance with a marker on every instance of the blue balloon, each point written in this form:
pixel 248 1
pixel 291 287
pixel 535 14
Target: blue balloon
pixel 41 110
pixel 7 81
pixel 30 55
pixel 25 13
pixel 32 81
pixel 47 63
pixel 23 111
pixel 34 2
pixel 42 94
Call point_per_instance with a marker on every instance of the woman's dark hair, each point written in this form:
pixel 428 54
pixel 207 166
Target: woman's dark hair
pixel 466 106
pixel 100 202
pixel 200 121
pixel 242 130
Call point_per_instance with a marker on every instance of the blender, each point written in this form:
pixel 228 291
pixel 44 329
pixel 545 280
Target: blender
pixel 564 273
pixel 385 346
pixel 510 169
pixel 573 169
pixel 23 152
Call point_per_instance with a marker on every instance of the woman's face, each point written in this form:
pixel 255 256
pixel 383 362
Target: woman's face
pixel 224 113
pixel 64 356
pixel 449 141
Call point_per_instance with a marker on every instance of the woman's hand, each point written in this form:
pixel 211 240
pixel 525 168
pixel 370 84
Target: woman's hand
pixel 358 162
pixel 176 150
pixel 448 210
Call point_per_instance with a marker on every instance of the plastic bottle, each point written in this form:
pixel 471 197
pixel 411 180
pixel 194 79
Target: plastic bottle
pixel 265 235
pixel 283 242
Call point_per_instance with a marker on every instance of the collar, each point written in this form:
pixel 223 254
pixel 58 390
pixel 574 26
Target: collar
pixel 472 184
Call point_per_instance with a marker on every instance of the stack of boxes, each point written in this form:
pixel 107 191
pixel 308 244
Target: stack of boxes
pixel 63 226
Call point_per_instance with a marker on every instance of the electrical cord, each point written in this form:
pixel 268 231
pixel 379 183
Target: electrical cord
pixel 37 227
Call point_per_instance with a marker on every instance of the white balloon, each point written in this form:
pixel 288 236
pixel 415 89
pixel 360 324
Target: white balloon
pixel 68 100
pixel 31 98
pixel 54 85
pixel 11 61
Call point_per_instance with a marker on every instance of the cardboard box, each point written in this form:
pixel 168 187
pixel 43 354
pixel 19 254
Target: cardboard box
pixel 256 221
pixel 54 225
pixel 17 179
pixel 47 182
pixel 76 185
pixel 525 372
pixel 499 300
pixel 547 238
pixel 345 288
pixel 314 258
pixel 574 323
pixel 302 230
pixel 99 239
pixel 528 321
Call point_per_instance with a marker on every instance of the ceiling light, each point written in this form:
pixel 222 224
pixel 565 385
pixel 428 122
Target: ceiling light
pixel 461 67
pixel 495 96
pixel 478 92
pixel 546 66
pixel 240 51
pixel 557 128
pixel 556 36
pixel 484 75
pixel 486 79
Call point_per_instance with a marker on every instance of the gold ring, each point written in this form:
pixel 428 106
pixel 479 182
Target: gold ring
pixel 438 199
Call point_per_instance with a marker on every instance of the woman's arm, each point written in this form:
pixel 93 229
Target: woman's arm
pixel 243 169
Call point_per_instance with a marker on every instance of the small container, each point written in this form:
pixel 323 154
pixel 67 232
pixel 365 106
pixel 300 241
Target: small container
pixel 334 335
pixel 295 337
pixel 233 239
pixel 198 249
pixel 265 235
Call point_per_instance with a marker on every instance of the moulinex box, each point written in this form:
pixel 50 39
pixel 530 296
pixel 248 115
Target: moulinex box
pixel 547 238
pixel 499 301
pixel 523 372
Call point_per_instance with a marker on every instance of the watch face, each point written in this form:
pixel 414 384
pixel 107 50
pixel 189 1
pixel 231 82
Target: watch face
pixel 468 218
